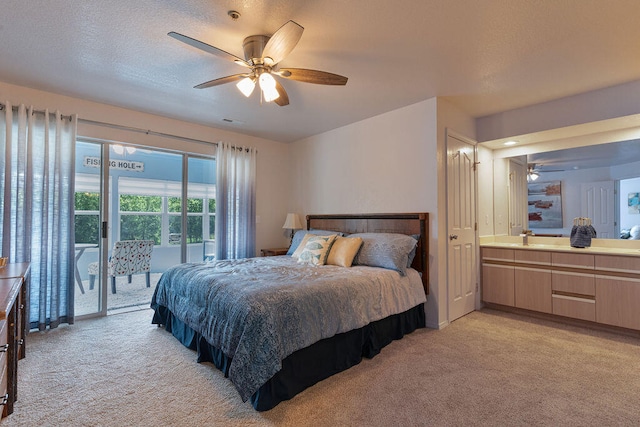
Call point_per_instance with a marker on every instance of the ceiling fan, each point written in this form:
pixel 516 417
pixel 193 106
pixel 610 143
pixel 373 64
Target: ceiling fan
pixel 262 56
pixel 533 173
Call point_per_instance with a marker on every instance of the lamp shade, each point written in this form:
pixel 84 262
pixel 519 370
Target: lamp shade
pixel 292 222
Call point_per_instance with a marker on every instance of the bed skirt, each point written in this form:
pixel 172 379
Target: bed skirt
pixel 309 365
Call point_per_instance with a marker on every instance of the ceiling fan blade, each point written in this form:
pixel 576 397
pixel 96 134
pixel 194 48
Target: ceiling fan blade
pixel 283 99
pixel 208 48
pixel 221 81
pixel 312 76
pixel 282 43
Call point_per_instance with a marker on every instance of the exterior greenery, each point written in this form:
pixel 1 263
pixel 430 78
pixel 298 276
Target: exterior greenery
pixel 87 219
pixel 141 218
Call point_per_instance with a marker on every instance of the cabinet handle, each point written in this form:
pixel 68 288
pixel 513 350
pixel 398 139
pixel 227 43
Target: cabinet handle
pixel 4 348
pixel 21 341
pixel 5 399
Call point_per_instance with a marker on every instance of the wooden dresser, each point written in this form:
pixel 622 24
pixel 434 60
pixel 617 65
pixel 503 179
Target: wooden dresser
pixel 13 329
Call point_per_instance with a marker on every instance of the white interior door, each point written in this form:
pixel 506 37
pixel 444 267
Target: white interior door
pixel 462 271
pixel 597 201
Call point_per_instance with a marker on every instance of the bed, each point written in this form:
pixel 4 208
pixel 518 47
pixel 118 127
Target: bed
pixel 275 326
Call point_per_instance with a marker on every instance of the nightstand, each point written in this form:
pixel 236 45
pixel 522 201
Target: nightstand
pixel 274 251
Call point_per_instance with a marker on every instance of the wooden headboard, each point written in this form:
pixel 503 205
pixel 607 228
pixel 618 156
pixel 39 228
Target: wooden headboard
pixel 409 223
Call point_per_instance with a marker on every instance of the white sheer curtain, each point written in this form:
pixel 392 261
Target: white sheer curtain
pixel 37 186
pixel 235 202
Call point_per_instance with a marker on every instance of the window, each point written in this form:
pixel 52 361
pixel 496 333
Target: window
pixel 212 219
pixel 87 217
pixel 194 218
pixel 151 209
pixel 141 218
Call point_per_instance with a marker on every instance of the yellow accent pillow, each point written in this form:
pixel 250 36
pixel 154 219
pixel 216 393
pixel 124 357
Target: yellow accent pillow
pixel 316 250
pixel 343 251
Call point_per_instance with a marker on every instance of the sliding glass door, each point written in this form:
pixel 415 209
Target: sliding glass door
pixel 140 209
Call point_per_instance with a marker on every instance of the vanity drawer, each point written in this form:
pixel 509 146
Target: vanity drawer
pixel 533 257
pixel 573 283
pixel 627 264
pixel 563 259
pixel 496 254
pixel 576 308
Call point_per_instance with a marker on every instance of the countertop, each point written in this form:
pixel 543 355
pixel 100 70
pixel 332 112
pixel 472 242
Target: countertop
pixel 561 244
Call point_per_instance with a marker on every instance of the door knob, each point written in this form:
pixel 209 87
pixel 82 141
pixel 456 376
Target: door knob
pixel 453 236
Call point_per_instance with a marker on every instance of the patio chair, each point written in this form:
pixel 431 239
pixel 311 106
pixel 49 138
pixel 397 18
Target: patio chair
pixel 208 249
pixel 128 257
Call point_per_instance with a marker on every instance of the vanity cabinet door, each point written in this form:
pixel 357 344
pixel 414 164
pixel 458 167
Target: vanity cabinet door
pixel 533 289
pixel 617 301
pixel 497 284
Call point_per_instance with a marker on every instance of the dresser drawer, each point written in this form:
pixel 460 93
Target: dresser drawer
pixel 4 335
pixel 4 332
pixel 573 283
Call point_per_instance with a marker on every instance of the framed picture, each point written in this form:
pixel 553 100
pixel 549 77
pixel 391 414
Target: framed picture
pixel 634 203
pixel 545 204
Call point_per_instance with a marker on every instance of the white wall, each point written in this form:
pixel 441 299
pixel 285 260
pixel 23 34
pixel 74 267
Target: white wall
pixel 390 163
pixel 272 178
pixel 385 164
pixel 608 103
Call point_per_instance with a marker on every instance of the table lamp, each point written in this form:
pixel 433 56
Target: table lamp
pixel 292 223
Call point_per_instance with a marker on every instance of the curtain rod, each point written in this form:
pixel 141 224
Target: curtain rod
pixel 132 129
pixel 154 133
pixel 15 108
pixel 145 131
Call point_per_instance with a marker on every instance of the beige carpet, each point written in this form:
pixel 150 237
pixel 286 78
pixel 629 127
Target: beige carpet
pixel 488 368
pixel 127 295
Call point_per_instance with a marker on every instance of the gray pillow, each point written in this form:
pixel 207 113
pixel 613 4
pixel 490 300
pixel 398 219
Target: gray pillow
pixel 412 254
pixel 297 237
pixel 385 250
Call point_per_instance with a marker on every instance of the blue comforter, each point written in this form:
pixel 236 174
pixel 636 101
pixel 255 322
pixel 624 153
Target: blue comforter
pixel 260 310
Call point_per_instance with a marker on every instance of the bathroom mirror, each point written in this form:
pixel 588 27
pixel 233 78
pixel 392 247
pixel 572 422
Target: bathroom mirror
pixel 600 181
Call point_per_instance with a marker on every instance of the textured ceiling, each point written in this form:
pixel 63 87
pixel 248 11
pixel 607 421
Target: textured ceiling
pixel 486 56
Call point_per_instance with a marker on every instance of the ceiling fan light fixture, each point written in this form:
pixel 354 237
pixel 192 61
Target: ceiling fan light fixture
pixel 246 86
pixel 267 81
pixel 268 86
pixel 532 176
pixel 270 94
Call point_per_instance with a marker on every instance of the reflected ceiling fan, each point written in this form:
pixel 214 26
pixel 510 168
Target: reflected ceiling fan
pixel 534 172
pixel 262 56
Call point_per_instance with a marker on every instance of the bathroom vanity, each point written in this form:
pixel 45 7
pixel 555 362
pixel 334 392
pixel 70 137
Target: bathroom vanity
pixel 599 284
